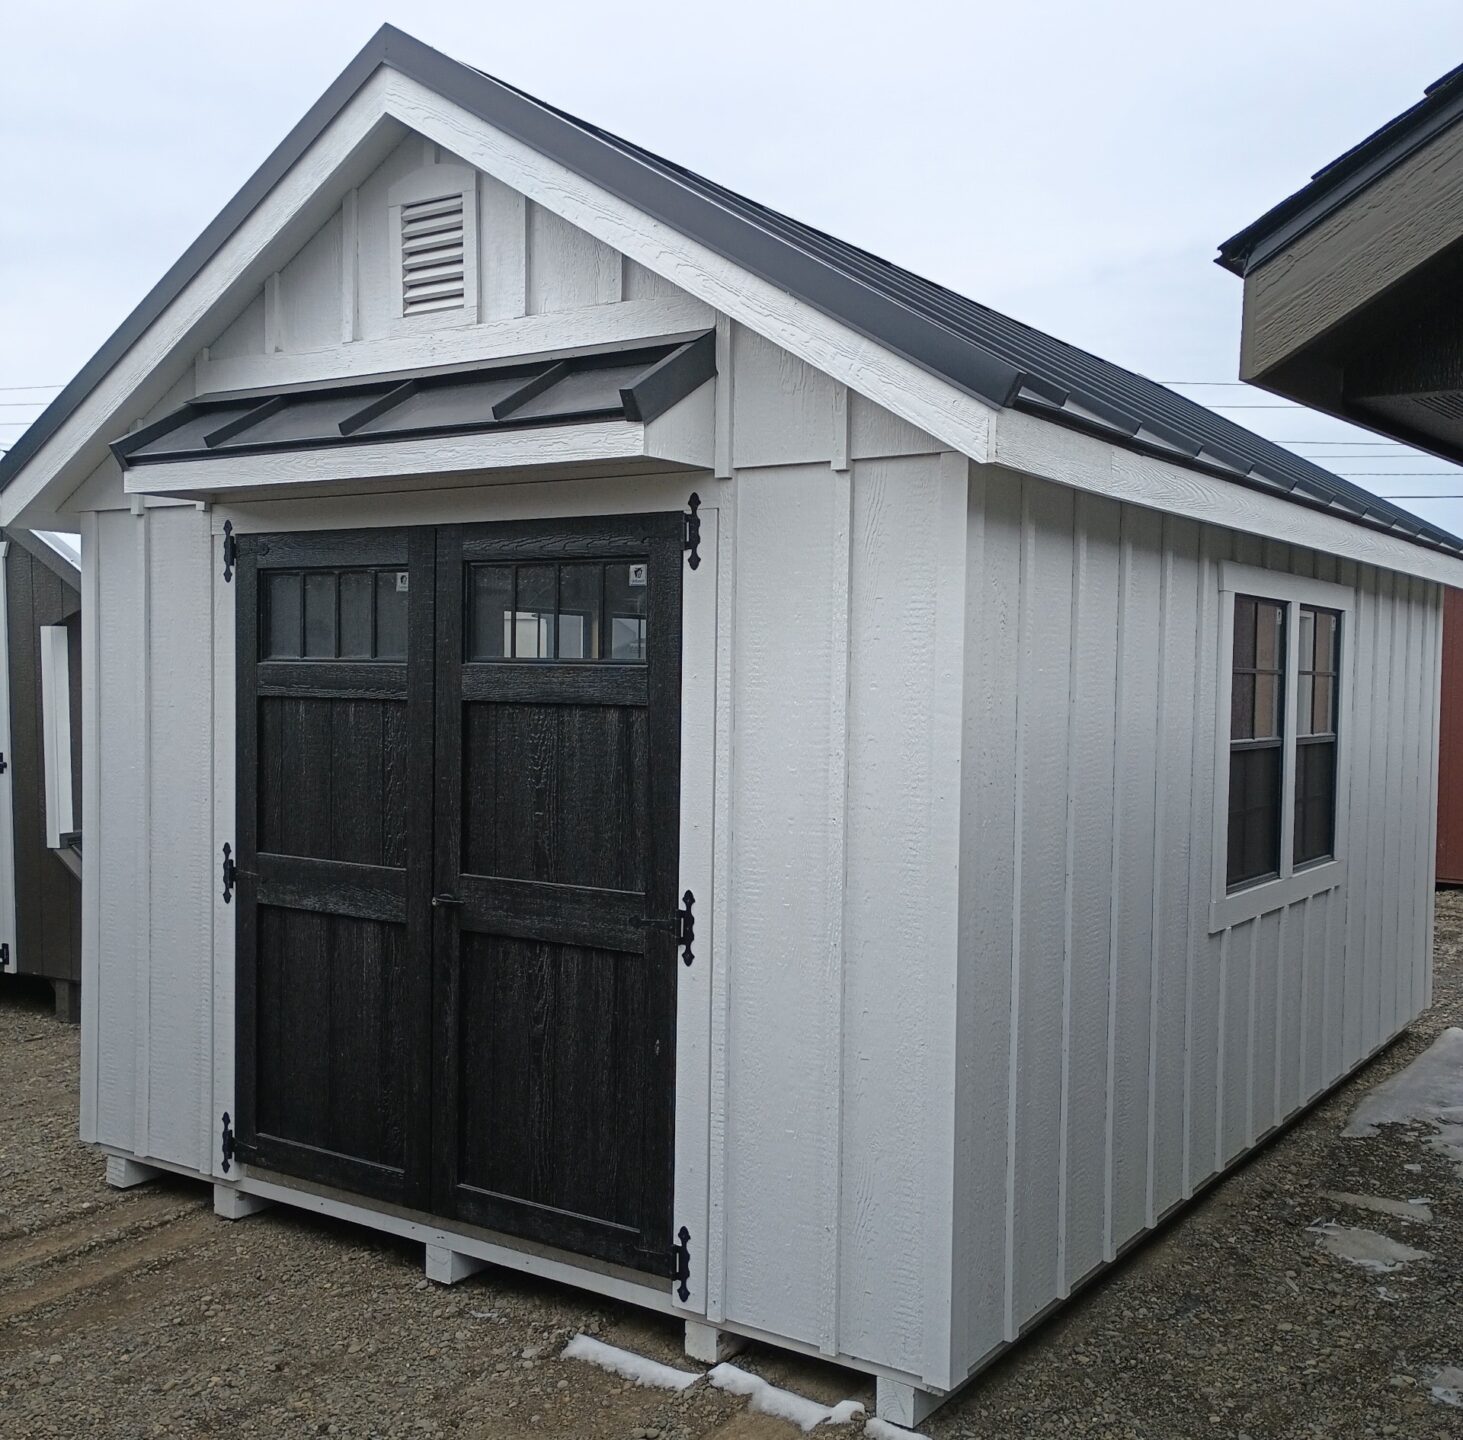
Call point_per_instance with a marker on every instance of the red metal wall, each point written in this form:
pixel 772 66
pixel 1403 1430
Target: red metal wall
pixel 1450 745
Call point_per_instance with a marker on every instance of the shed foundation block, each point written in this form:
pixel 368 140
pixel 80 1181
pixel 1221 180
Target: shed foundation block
pixel 232 1204
pixel 447 1267
pixel 68 1001
pixel 123 1173
pixel 709 1345
pixel 901 1403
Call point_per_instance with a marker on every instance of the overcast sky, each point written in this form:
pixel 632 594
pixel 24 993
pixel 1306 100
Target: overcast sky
pixel 1074 164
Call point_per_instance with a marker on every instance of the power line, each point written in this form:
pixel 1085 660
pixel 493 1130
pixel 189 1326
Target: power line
pixel 9 388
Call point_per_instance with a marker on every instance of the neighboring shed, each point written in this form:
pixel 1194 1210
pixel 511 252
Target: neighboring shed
pixel 1352 288
pixel 631 740
pixel 40 762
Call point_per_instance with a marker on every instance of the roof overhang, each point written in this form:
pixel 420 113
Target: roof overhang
pixel 1351 284
pixel 553 416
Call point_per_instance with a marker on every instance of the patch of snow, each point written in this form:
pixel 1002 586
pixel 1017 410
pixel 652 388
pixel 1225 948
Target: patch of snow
pixel 767 1399
pixel 628 1364
pixel 1366 1248
pixel 1447 1386
pixel 1429 1091
pixel 883 1430
pixel 1379 1205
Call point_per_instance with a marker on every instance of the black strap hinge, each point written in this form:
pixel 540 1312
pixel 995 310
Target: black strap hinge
pixel 4 955
pixel 231 551
pixel 230 1149
pixel 686 916
pixel 691 538
pixel 230 873
pixel 681 1261
pixel 4 764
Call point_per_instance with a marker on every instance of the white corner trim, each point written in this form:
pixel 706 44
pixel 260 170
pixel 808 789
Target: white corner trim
pixel 56 732
pixel 7 781
pixel 1033 446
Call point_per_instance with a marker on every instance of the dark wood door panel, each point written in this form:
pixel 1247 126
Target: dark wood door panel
pixel 557 1073
pixel 334 1063
pixel 335 658
pixel 556 793
pixel 562 914
pixel 558 730
pixel 458 837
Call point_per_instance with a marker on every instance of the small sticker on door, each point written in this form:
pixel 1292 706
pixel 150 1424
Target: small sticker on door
pixel 402 577
pixel 637 574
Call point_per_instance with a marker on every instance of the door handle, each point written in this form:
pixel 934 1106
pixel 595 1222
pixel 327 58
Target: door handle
pixel 441 900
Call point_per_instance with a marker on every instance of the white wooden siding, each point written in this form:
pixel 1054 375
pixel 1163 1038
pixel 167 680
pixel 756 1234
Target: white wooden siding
pixel 342 288
pixel 1136 1052
pixel 969 1032
pixel 154 867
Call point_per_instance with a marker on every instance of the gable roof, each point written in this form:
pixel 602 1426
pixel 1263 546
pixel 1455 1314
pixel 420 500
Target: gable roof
pixel 1346 177
pixel 980 351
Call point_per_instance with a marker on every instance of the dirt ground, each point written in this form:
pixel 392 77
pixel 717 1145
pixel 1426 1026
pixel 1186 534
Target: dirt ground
pixel 137 1313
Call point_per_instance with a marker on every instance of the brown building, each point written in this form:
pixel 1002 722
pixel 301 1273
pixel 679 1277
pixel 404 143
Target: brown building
pixel 1352 298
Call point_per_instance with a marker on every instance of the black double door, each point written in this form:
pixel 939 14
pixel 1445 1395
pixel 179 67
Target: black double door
pixel 458 777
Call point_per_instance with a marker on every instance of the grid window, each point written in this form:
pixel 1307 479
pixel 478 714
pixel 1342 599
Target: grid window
pixel 581 610
pixel 1257 739
pixel 334 614
pixel 1315 754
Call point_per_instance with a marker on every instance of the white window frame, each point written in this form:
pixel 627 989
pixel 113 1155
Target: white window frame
pixel 1228 908
pixel 56 733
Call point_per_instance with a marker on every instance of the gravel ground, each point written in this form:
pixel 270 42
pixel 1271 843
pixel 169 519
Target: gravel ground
pixel 137 1313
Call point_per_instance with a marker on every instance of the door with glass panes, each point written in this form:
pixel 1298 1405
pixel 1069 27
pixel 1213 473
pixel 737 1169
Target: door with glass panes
pixel 457 863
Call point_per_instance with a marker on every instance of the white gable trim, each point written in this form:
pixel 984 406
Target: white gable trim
pixel 339 157
pixel 1052 452
pixel 934 405
pixel 300 202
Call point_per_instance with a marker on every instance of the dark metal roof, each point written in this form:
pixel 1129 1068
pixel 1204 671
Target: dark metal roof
pixel 1336 184
pixel 982 352
pixel 611 385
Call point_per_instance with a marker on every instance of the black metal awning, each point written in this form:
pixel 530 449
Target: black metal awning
pixel 633 385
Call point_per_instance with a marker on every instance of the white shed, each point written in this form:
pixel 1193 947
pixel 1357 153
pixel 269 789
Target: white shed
pixel 629 739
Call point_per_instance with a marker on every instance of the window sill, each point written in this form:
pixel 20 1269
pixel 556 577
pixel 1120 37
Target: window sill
pixel 1270 895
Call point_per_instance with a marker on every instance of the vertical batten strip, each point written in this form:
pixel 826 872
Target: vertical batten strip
pixel 725 378
pixel 1013 1050
pixel 1080 579
pixel 1125 548
pixel 91 826
pixel 944 1363
pixel 1429 870
pixel 349 266
pixel 1155 913
pixel 142 939
pixel 723 940
pixel 1205 629
pixel 836 889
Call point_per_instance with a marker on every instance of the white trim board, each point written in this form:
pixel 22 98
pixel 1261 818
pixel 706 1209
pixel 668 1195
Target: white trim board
pixel 7 782
pixel 56 732
pixel 1034 446
pixel 596 443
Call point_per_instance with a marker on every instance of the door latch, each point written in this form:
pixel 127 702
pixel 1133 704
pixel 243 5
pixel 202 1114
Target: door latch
pixel 441 901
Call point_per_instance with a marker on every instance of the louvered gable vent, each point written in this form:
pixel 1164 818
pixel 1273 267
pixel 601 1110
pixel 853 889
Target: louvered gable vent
pixel 432 255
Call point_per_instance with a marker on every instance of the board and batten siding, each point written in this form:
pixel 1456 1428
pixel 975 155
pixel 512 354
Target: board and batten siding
pixel 147 918
pixel 1113 1053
